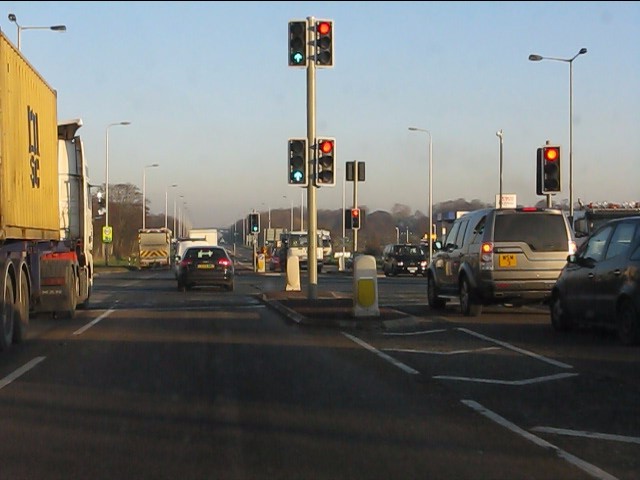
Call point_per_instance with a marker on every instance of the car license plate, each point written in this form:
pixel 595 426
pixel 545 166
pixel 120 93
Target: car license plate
pixel 412 269
pixel 206 266
pixel 508 260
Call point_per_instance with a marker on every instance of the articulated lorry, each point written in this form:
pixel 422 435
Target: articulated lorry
pixel 46 234
pixel 592 215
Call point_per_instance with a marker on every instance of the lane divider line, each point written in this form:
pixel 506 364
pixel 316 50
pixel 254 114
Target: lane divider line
pixel 572 459
pixel 20 371
pixel 80 331
pixel 384 356
pixel 596 435
pixel 528 381
pixel 516 349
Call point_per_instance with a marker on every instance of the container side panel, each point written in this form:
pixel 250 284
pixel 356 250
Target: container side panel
pixel 29 164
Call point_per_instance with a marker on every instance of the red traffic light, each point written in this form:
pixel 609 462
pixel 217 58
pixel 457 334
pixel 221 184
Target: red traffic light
pixel 355 212
pixel 326 146
pixel 551 154
pixel 324 28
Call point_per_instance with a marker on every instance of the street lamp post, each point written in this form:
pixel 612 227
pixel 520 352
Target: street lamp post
pixel 416 129
pixel 166 205
pixel 291 228
pixel 499 134
pixel 55 28
pixel 537 58
pixel 144 181
pixel 106 183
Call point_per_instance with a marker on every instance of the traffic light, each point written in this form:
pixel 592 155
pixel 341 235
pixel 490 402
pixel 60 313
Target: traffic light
pixel 326 162
pixel 549 168
pixel 254 223
pixel 355 218
pixel 350 171
pixel 298 162
pixel 324 43
pixel 298 43
pixel 101 203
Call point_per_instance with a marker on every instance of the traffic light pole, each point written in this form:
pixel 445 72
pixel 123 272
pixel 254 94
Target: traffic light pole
pixel 355 205
pixel 312 217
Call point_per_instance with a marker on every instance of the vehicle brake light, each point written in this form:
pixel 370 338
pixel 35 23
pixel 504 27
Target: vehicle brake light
pixel 529 209
pixel 486 256
pixel 224 262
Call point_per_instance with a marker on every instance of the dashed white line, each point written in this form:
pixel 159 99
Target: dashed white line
pixel 516 349
pixel 93 322
pixel 581 464
pixel 596 435
pixel 382 355
pixel 20 371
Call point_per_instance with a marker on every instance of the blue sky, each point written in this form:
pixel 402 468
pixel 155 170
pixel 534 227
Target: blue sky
pixel 211 99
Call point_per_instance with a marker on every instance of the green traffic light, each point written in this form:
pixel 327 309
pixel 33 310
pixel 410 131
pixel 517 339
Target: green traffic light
pixel 298 58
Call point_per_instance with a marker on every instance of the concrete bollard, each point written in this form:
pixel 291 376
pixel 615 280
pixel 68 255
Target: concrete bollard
pixel 365 287
pixel 293 273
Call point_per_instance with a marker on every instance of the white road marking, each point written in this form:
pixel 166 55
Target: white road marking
pixel 434 352
pixel 20 371
pixel 382 355
pixel 516 349
pixel 407 334
pixel 572 459
pixel 93 322
pixel 527 381
pixel 596 435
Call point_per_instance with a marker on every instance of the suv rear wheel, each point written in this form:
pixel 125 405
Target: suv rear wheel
pixel 434 300
pixel 468 306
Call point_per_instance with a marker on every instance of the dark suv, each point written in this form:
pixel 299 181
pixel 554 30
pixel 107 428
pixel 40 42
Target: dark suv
pixel 404 259
pixel 500 256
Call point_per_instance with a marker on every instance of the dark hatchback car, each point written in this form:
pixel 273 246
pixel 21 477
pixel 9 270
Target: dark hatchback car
pixel 407 259
pixel 206 266
pixel 600 284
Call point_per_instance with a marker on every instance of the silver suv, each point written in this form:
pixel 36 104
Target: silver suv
pixel 500 256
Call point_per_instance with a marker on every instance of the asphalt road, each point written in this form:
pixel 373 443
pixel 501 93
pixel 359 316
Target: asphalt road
pixel 154 383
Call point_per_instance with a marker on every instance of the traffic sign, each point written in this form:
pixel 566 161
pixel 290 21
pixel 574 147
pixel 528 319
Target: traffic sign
pixel 107 234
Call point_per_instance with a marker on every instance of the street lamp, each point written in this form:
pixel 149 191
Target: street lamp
pixel 416 129
pixel 499 134
pixel 537 58
pixel 106 182
pixel 166 198
pixel 56 28
pixel 144 181
pixel 176 228
pixel 291 228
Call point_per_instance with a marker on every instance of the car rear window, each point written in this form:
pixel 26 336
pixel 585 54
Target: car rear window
pixel 543 232
pixel 205 253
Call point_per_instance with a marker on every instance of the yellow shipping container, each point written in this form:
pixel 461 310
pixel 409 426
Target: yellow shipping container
pixel 28 150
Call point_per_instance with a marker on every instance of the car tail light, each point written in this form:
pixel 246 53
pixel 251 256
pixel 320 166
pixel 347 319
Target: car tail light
pixel 486 256
pixel 224 262
pixel 185 262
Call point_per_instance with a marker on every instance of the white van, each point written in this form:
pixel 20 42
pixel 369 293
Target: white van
pixel 181 246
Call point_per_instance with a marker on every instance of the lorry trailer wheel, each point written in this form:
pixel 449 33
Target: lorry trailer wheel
pixel 22 307
pixel 7 311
